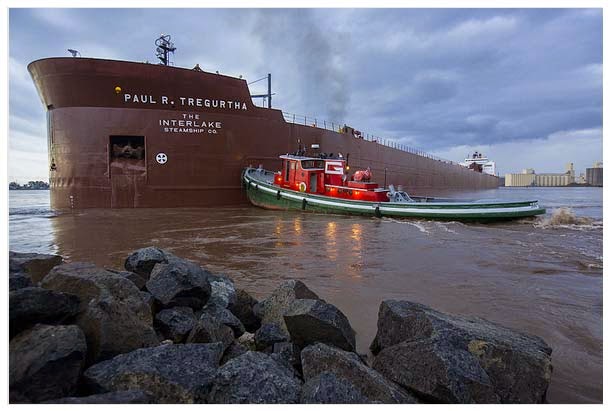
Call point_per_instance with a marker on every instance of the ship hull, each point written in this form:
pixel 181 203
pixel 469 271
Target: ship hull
pixel 204 125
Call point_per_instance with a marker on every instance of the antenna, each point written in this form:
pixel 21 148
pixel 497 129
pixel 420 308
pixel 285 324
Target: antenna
pixel 74 52
pixel 164 48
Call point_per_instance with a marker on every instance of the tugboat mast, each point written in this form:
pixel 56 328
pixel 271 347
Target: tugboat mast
pixel 164 48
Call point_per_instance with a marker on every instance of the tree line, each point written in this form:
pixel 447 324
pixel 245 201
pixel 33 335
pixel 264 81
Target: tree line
pixel 30 185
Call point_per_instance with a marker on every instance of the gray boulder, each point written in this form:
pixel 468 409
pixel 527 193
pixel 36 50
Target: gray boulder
pixel 170 373
pixel 310 321
pixel 435 371
pixel 319 358
pixel 209 329
pixel 45 362
pixel 224 316
pixel 327 388
pixel 32 305
pixel 234 350
pixel 19 280
pixel 222 291
pixel 36 266
pixel 115 397
pixel 138 280
pixel 143 260
pixel 268 335
pixel 247 340
pixel 242 308
pixel 175 323
pixel 288 354
pixel 179 283
pixel 272 309
pixel 113 314
pixel 254 378
pixel 455 359
pixel 149 301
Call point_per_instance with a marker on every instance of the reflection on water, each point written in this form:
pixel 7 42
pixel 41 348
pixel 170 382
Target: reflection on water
pixel 356 251
pixel 331 244
pixel 542 278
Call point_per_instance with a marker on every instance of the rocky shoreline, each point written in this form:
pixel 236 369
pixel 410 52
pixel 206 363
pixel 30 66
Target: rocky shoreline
pixel 166 330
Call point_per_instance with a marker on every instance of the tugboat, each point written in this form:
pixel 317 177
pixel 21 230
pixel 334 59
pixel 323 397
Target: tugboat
pixel 322 184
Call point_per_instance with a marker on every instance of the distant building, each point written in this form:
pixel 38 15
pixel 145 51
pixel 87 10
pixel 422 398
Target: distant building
pixel 594 175
pixel 523 179
pixel 528 178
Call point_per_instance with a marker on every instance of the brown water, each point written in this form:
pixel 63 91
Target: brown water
pixel 542 277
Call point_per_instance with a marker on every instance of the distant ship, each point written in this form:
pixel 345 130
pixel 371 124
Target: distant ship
pixel 127 134
pixel 479 162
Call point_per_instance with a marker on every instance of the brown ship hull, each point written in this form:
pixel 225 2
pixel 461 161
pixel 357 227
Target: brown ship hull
pixel 109 122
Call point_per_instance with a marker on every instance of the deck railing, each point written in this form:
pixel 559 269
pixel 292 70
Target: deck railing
pixel 337 127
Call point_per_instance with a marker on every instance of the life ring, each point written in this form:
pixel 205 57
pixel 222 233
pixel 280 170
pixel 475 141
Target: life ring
pixel 302 186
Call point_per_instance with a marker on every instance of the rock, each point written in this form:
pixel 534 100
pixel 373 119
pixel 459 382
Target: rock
pixel 224 316
pixel 175 323
pixel 18 398
pixel 455 359
pixel 288 354
pixel 113 314
pixel 234 350
pixel 143 260
pixel 45 362
pixel 115 397
pixel 327 388
pixel 19 280
pixel 180 282
pixel 137 279
pixel 247 340
pixel 310 321
pixel 268 335
pixel 242 308
pixel 272 309
pixel 36 266
pixel 254 378
pixel 222 291
pixel 171 373
pixel 319 358
pixel 149 301
pixel 209 329
pixel 437 372
pixel 32 305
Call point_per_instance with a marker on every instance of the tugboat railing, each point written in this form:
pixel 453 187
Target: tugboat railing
pixel 337 127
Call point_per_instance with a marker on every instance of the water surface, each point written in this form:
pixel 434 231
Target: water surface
pixel 541 276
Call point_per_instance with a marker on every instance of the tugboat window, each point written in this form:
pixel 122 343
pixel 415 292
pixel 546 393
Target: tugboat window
pixel 309 164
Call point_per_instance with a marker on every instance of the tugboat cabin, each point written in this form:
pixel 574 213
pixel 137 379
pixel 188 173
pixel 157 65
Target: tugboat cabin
pixel 326 176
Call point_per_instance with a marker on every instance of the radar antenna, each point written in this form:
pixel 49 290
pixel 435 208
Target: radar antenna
pixel 164 48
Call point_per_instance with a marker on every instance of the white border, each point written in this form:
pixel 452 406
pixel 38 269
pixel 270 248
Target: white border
pixel 296 3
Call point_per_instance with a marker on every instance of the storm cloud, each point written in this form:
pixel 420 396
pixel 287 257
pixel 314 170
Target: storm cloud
pixel 447 81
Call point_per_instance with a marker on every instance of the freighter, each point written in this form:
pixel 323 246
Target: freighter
pixel 128 134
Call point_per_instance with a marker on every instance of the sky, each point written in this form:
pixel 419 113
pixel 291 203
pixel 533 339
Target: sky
pixel 523 86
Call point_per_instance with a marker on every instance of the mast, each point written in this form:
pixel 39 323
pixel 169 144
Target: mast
pixel 164 48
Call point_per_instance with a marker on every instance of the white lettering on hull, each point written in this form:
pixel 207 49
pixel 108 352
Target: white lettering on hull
pixel 185 101
pixel 190 123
